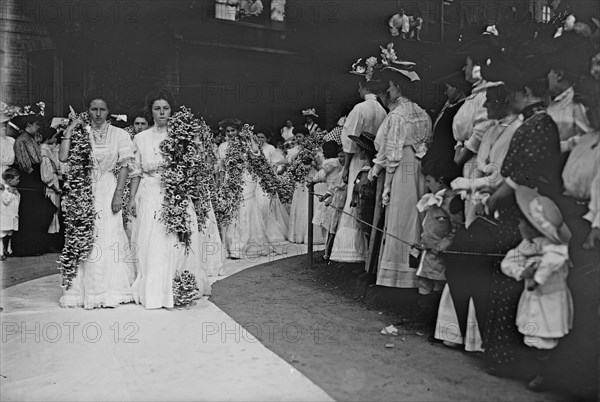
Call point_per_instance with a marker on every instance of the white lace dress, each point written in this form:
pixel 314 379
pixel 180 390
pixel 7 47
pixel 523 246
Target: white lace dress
pixel 104 279
pixel 160 255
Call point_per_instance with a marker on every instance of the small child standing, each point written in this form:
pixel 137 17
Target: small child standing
pixel 334 200
pixel 443 216
pixel 443 209
pixel 330 169
pixel 9 216
pixel 545 310
pixel 364 191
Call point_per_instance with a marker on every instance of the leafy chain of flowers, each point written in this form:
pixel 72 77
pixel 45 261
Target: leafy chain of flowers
pixel 78 204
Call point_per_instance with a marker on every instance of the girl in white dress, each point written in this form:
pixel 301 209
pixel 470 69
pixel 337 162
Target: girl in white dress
pixel 273 213
pixel 159 254
pixel 104 278
pixel 245 236
pixel 298 229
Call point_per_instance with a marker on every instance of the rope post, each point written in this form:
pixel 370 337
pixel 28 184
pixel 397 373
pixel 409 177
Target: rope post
pixel 311 199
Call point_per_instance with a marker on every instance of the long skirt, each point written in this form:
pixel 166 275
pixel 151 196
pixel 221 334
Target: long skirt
pixel 36 212
pixel 403 221
pixel 160 254
pixel 104 279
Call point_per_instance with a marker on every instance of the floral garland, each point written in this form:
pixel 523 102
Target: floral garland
pixel 78 203
pixel 182 160
pixel 229 195
pixel 185 289
pixel 125 197
pixel 206 175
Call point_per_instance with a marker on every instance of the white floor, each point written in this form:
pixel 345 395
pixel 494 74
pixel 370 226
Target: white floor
pixel 133 354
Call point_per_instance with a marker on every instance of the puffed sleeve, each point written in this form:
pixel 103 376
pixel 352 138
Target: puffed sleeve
pixel 7 197
pixel 47 171
pixel 479 129
pixel 353 121
pixel 554 257
pixel 136 165
pixel 513 263
pixel 125 149
pixel 394 146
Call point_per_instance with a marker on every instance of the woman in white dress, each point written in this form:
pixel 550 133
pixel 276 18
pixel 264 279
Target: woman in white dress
pixel 160 254
pixel 274 214
pixel 245 236
pixel 298 228
pixel 104 279
pixel 7 145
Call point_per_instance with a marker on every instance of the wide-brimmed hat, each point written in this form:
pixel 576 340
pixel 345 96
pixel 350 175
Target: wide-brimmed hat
pixel 310 112
pixel 365 140
pixel 543 214
pixel 366 67
pixel 391 62
pixel 23 120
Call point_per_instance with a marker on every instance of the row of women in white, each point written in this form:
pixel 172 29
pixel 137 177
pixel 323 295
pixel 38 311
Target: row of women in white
pixel 141 267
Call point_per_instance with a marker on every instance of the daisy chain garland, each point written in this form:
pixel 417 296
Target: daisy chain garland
pixel 182 162
pixel 78 203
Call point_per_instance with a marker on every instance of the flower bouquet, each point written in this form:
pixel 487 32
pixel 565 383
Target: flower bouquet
pixel 185 289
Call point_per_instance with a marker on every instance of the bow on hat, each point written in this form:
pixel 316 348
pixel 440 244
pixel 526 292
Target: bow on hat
pixel 365 69
pixel 310 112
pixel 390 61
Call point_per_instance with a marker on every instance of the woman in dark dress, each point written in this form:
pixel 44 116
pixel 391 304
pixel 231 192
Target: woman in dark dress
pixel 35 210
pixel 530 161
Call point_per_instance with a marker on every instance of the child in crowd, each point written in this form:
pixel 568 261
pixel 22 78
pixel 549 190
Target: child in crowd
pixel 443 209
pixel 9 219
pixel 545 310
pixel 329 171
pixel 364 192
pixel 334 200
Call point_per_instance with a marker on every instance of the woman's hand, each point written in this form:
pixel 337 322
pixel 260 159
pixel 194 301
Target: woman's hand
pixel 345 174
pixel 117 201
pixel 593 239
pixel 76 122
pixel 133 208
pixel 385 197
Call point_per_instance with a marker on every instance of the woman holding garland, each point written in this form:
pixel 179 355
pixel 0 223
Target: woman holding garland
pixel 246 234
pixel 160 254
pixel 101 281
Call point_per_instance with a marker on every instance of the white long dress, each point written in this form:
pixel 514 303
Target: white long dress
pixel 7 153
pixel 298 228
pixel 274 215
pixel 211 246
pixel 159 254
pixel 104 279
pixel 245 236
pixel 350 244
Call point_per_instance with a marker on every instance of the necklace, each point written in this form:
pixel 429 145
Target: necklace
pixel 99 135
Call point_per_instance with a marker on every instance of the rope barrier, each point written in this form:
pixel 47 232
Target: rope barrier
pixel 417 246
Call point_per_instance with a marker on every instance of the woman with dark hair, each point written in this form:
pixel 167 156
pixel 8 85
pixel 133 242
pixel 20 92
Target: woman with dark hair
pixel 141 122
pixel 400 142
pixel 245 235
pixel 159 253
pixel 104 281
pixel 35 210
pixel 531 161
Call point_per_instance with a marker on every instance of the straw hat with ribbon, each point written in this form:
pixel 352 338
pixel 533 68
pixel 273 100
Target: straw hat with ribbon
pixel 390 61
pixel 365 141
pixel 543 214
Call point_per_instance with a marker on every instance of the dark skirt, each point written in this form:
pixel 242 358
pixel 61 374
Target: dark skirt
pixel 36 212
